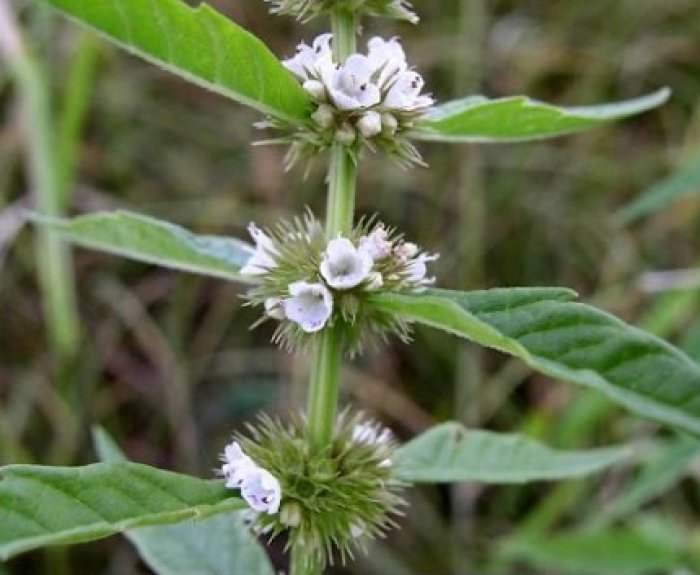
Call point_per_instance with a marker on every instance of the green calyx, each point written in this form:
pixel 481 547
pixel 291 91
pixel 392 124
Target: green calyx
pixel 333 501
pixel 306 10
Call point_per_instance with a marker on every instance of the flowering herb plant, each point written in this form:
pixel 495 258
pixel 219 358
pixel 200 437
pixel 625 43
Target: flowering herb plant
pixel 331 481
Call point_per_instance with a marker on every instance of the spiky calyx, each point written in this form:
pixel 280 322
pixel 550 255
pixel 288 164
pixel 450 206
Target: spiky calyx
pixel 309 282
pixel 306 10
pixel 335 501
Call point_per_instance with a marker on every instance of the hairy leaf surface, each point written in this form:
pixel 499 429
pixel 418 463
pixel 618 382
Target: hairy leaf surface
pixel 199 44
pixel 519 118
pixel 570 341
pixel 451 453
pixel 154 241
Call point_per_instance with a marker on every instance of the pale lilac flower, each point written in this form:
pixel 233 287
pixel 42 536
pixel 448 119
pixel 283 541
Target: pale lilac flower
pixel 351 87
pixel 262 259
pixel 274 308
pixel 417 270
pixel 310 306
pixel 312 62
pixel 376 244
pixel 237 466
pixel 404 94
pixel 344 266
pixel 370 124
pixel 262 491
pixel 405 251
pixel 371 433
pixel 387 58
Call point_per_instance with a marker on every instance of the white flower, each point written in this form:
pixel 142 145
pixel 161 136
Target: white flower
pixel 404 94
pixel 262 491
pixel 262 259
pixel 405 251
pixel 376 244
pixel 417 269
pixel 351 87
pixel 370 433
pixel 312 62
pixel 274 308
pixel 344 266
pixel 237 466
pixel 310 306
pixel 387 58
pixel 370 124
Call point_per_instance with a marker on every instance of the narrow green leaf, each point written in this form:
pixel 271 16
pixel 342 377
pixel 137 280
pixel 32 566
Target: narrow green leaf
pixel 605 552
pixel 42 506
pixel 570 341
pixel 659 475
pixel 156 242
pixel 451 453
pixel 685 182
pixel 199 44
pixel 519 118
pixel 217 545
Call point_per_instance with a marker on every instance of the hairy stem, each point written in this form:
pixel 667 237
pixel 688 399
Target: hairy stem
pixel 55 267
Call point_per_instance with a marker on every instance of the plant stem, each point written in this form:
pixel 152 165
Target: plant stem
pixel 55 267
pixel 324 386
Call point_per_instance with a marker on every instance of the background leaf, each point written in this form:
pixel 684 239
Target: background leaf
pixel 604 552
pixel 217 545
pixel 519 118
pixel 570 341
pixel 153 241
pixel 200 45
pixel 42 506
pixel 451 453
pixel 684 182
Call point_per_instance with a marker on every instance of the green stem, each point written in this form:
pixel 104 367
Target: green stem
pixel 55 267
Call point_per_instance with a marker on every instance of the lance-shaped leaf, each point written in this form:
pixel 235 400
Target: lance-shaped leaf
pixel 570 341
pixel 200 45
pixel 42 506
pixel 451 453
pixel 217 545
pixel 153 241
pixel 519 118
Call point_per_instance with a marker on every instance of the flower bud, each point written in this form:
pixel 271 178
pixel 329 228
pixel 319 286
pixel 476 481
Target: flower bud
pixel 324 116
pixel 346 135
pixel 389 123
pixel 370 124
pixel 316 90
pixel 290 514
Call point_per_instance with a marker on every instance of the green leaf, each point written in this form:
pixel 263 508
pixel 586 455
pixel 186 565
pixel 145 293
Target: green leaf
pixel 605 552
pixel 217 545
pixel 685 182
pixel 156 242
pixel 569 341
pixel 451 453
pixel 42 506
pixel 519 118
pixel 659 475
pixel 200 45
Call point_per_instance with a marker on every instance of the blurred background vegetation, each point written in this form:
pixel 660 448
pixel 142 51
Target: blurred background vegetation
pixel 166 362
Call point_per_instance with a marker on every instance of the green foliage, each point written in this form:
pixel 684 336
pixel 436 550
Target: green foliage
pixel 200 45
pixel 42 506
pixel 153 241
pixel 570 341
pixel 452 453
pixel 519 118
pixel 217 545
pixel 604 552
pixel 685 182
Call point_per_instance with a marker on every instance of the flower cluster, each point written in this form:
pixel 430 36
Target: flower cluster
pixel 369 99
pixel 308 281
pixel 259 487
pixel 307 9
pixel 335 500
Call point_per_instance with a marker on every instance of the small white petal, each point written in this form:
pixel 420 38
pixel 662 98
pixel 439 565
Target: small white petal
pixel 350 85
pixel 310 306
pixel 376 244
pixel 370 124
pixel 236 465
pixel 274 308
pixel 262 259
pixel 404 94
pixel 315 89
pixel 387 58
pixel 262 491
pixel 344 266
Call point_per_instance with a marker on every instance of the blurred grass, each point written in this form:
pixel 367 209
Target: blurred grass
pixel 167 362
